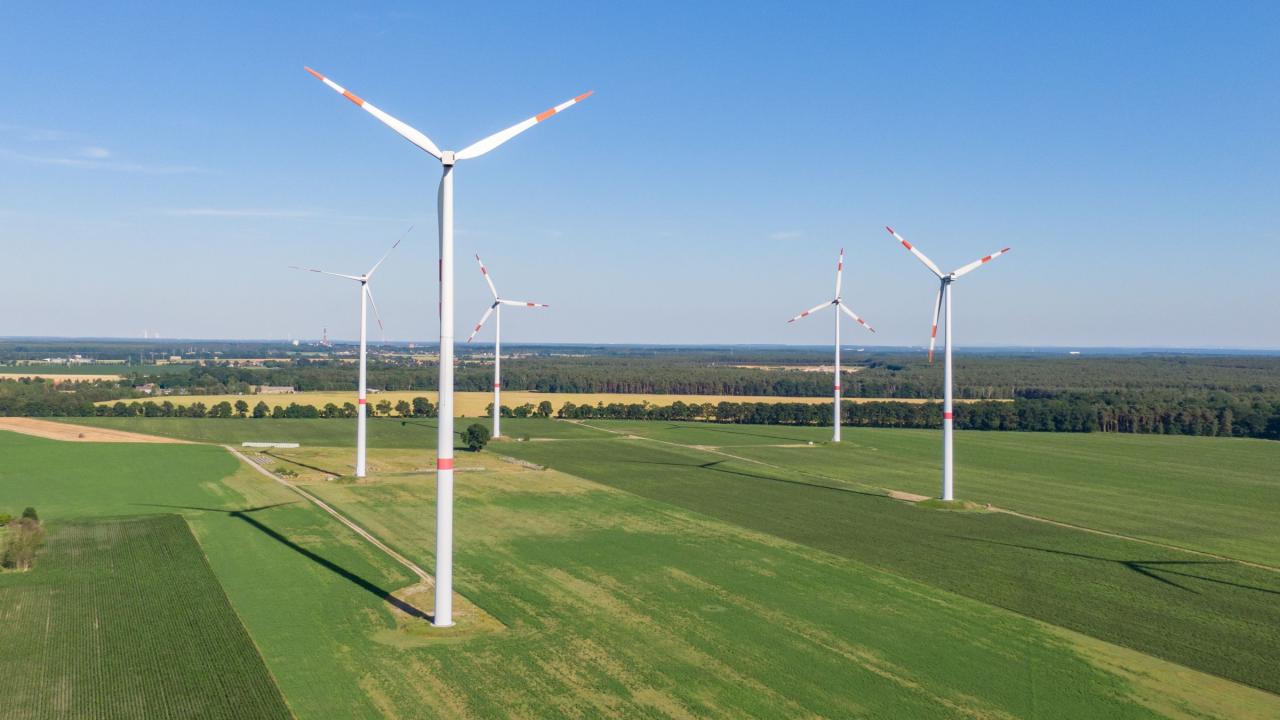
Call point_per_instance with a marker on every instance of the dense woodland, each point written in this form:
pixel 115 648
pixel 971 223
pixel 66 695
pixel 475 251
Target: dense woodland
pixel 1190 394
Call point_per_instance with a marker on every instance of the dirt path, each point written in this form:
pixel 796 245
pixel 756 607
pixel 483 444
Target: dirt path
pixel 423 575
pixel 77 433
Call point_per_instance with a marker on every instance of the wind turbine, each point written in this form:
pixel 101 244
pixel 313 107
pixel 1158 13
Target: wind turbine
pixel 839 303
pixel 444 435
pixel 496 310
pixel 944 295
pixel 365 293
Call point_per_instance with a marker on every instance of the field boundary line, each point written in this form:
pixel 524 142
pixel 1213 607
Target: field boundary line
pixel 1156 543
pixel 423 575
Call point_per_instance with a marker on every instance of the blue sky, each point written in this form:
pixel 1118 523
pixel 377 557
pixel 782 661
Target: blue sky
pixel 162 165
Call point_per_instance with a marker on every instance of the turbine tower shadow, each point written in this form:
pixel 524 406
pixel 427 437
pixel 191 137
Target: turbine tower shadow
pixel 1154 569
pixel 323 562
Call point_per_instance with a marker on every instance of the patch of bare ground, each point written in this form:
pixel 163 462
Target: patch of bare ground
pixel 76 433
pixel 908 497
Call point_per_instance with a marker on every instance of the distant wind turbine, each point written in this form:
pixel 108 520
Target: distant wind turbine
pixel 444 434
pixel 838 302
pixel 944 295
pixel 365 293
pixel 496 310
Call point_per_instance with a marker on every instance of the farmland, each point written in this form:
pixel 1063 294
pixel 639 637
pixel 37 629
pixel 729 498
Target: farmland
pixel 721 552
pixel 130 623
pixel 608 603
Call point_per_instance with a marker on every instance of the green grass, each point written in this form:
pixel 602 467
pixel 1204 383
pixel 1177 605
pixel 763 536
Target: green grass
pixel 383 432
pixel 1216 616
pixel 1217 495
pixel 123 618
pixel 618 605
pixel 310 592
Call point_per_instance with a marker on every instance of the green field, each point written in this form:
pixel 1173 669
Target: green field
pixel 1214 615
pixel 123 618
pixel 383 432
pixel 627 604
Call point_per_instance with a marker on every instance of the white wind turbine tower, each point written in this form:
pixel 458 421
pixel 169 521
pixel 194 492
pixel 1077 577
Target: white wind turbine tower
pixel 839 303
pixel 496 310
pixel 365 294
pixel 944 296
pixel 444 437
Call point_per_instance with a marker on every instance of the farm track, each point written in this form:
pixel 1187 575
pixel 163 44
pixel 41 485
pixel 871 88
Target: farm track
pixel 897 494
pixel 423 575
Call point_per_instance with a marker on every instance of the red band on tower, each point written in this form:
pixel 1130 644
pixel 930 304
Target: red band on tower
pixel 444 464
pixel 946 416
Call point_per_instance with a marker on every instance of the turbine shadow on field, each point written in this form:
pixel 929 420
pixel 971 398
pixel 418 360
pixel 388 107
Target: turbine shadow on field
pixel 713 465
pixel 291 461
pixel 325 563
pixel 1154 569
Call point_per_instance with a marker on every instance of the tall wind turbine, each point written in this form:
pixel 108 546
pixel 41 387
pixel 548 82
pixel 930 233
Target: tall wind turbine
pixel 365 294
pixel 944 296
pixel 496 310
pixel 444 437
pixel 838 302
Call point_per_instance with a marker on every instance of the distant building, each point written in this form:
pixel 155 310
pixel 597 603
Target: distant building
pixel 145 388
pixel 273 389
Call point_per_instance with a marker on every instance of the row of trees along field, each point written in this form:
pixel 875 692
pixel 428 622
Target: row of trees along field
pixel 419 407
pixel 1077 413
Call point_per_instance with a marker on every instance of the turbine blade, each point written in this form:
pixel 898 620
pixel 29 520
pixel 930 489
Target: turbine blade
pixel 811 311
pixel 403 129
pixel 483 318
pixel 937 310
pixel 521 303
pixel 919 255
pixel 479 148
pixel 854 315
pixel 388 253
pixel 369 292
pixel 325 272
pixel 485 271
pixel 839 271
pixel 978 263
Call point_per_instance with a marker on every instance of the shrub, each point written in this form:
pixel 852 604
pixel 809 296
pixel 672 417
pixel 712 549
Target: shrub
pixel 476 436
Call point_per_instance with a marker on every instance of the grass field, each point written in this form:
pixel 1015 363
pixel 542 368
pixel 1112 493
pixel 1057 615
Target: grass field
pixel 123 618
pixel 473 404
pixel 383 432
pixel 1218 495
pixel 1217 616
pixel 623 604
pixel 617 606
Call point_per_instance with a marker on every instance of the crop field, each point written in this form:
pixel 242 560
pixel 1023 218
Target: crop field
pixel 1208 613
pixel 474 404
pixel 712 587
pixel 383 432
pixel 123 618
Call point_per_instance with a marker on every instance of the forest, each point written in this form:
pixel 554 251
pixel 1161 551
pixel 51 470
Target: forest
pixel 1170 393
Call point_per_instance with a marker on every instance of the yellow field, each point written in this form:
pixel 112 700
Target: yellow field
pixel 473 404
pixel 58 378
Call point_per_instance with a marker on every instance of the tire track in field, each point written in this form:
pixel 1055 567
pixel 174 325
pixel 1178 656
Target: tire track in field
pixel 423 575
pixel 992 508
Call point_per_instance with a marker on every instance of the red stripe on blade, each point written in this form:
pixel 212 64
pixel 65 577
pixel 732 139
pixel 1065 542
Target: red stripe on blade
pixel 946 416
pixel 444 464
